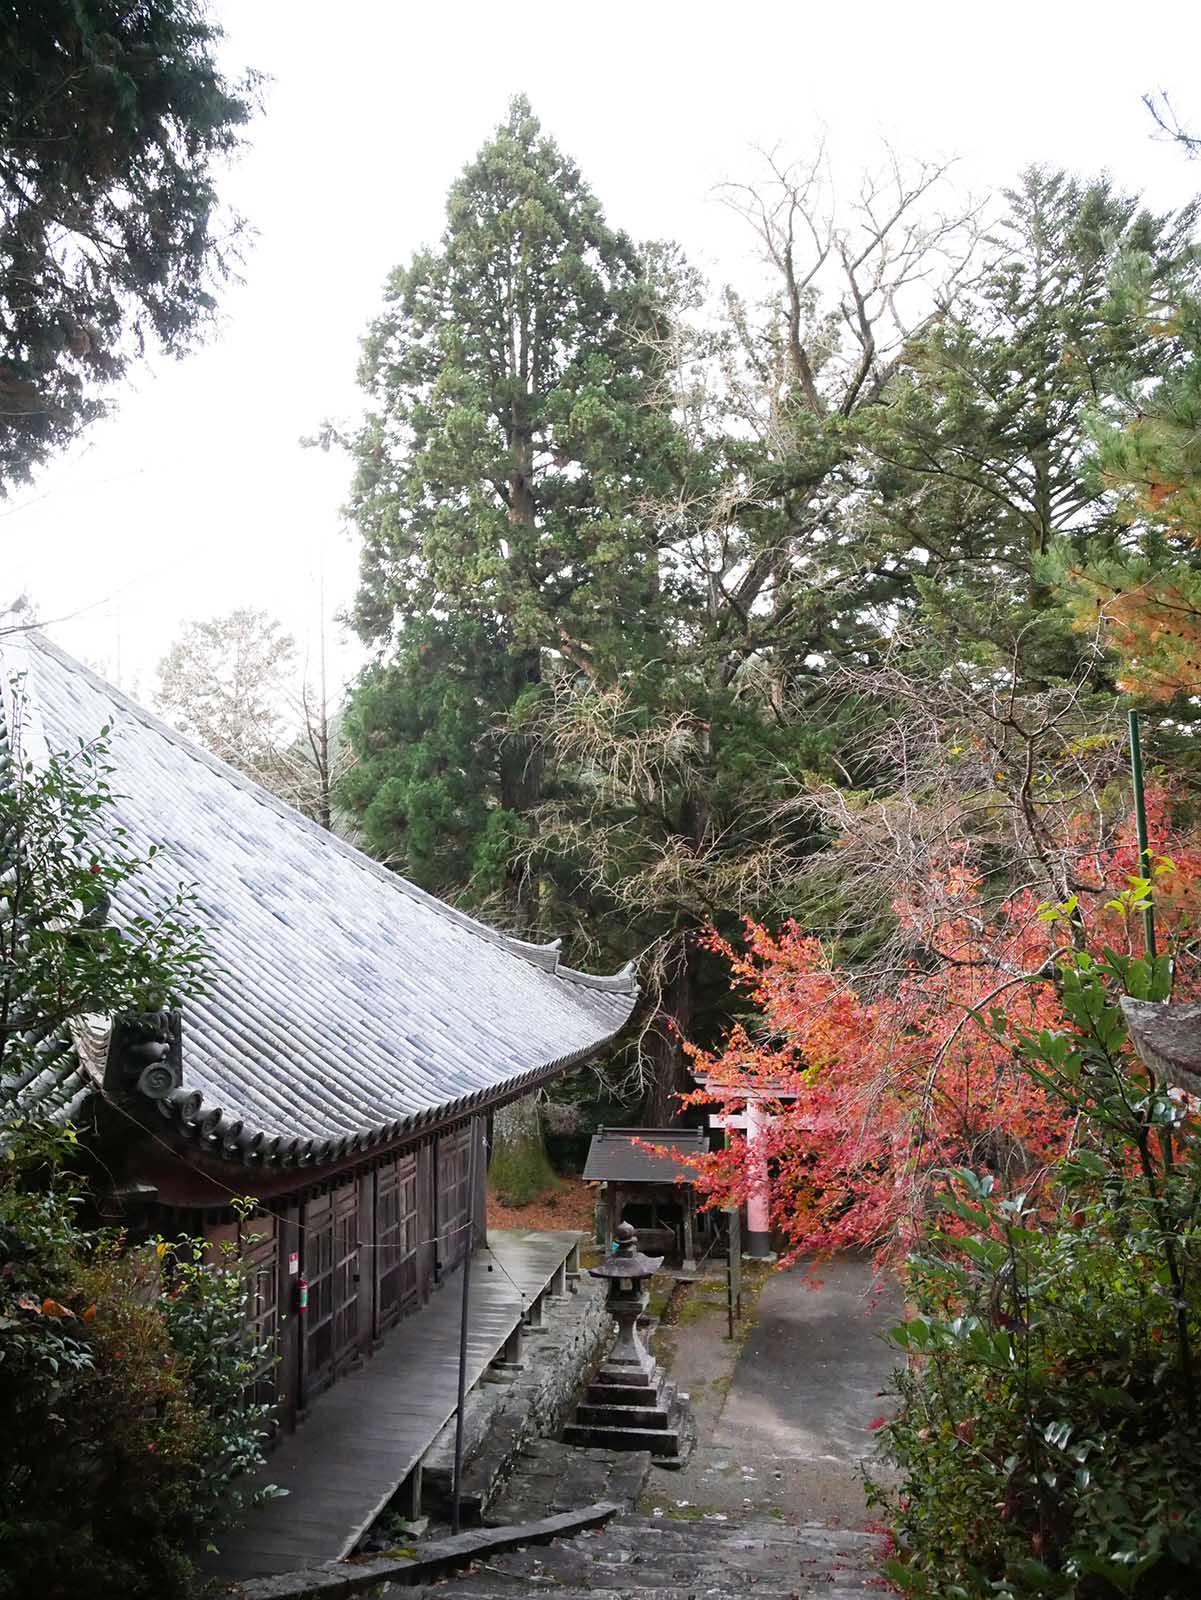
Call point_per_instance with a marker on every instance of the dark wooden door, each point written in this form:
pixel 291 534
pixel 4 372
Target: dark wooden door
pixel 454 1196
pixel 396 1237
pixel 261 1268
pixel 331 1262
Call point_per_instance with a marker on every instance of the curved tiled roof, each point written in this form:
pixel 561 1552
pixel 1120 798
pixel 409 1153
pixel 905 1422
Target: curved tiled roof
pixel 619 1155
pixel 346 1005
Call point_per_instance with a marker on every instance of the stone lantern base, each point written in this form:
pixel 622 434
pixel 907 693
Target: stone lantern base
pixel 631 1406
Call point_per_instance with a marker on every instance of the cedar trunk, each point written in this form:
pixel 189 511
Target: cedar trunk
pixel 668 1074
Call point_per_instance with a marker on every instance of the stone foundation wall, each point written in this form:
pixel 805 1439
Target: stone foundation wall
pixel 509 1408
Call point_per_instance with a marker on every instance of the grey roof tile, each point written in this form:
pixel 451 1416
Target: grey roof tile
pixel 344 1000
pixel 615 1157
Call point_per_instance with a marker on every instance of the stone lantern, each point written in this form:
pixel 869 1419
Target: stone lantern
pixel 629 1403
pixel 627 1272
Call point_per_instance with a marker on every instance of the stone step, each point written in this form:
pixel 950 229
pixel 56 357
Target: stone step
pixel 735 1531
pixel 656 1562
pixel 490 1588
pixel 677 1559
pixel 685 1582
pixel 659 1441
pixel 681 1577
pixel 625 1416
pixel 595 1564
pixel 624 1394
pixel 707 1537
pixel 602 1573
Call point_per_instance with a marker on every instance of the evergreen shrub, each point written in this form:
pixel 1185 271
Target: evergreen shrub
pixel 1048 1437
pixel 123 1423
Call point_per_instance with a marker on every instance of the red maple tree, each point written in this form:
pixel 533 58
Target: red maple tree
pixel 873 1088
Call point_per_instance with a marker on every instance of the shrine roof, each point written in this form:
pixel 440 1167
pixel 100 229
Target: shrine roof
pixel 614 1156
pixel 346 1005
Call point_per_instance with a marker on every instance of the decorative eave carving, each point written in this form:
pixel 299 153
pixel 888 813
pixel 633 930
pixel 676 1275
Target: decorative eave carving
pixel 145 1057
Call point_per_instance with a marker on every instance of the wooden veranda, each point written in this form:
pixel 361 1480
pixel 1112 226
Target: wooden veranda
pixel 367 1436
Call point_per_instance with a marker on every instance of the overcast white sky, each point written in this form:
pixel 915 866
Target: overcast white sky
pixel 196 496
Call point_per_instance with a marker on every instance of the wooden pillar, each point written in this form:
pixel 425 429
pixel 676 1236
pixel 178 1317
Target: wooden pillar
pixel 613 1191
pixel 511 1356
pixel 291 1342
pixel 758 1206
pixel 408 1496
pixel 689 1229
pixel 478 1200
pixel 365 1261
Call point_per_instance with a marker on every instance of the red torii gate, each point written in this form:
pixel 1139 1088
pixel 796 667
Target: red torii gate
pixel 753 1120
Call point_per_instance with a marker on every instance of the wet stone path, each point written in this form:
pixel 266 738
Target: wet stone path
pixel 636 1556
pixel 770 1506
pixel 784 1419
pixel 550 1477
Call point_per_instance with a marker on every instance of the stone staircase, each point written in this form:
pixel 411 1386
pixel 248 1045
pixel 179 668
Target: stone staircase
pixel 671 1559
pixel 625 1416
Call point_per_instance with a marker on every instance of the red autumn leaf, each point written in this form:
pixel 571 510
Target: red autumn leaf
pixel 867 1093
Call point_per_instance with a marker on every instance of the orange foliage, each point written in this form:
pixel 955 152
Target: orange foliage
pixel 1157 632
pixel 872 1091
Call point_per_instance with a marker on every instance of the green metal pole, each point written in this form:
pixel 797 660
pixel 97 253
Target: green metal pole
pixel 1140 818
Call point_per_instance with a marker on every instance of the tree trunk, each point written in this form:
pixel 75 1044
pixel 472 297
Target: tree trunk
pixel 521 761
pixel 519 1170
pixel 521 767
pixel 669 1074
pixel 324 795
pixel 677 999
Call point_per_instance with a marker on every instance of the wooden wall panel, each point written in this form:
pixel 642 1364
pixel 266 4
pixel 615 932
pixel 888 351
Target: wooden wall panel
pixel 454 1197
pixel 371 1248
pixel 397 1241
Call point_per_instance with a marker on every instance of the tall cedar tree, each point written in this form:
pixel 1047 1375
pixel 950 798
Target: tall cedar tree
pixel 1147 589
pixel 510 441
pixel 984 488
pixel 113 118
pixel 681 806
